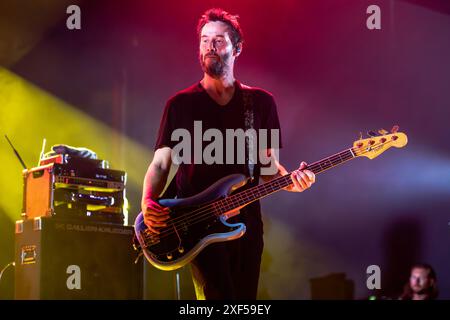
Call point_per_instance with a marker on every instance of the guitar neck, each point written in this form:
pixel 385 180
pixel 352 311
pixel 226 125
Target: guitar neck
pixel 260 191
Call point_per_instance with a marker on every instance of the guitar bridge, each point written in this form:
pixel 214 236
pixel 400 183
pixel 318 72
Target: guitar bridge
pixel 149 237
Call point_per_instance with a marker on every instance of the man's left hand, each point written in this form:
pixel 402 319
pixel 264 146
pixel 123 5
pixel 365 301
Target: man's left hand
pixel 302 179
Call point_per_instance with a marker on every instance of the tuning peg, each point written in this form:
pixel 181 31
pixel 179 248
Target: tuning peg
pixel 371 134
pixel 395 129
pixel 360 135
pixel 382 132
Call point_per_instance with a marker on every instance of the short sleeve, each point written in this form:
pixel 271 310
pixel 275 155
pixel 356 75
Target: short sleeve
pixel 166 127
pixel 272 121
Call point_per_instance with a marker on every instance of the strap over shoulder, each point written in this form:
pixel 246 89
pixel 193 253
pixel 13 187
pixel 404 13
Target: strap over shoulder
pixel 249 123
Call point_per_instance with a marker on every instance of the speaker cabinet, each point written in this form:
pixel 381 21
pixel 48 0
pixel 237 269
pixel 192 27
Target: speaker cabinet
pixel 61 259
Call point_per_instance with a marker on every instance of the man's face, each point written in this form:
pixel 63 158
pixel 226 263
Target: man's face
pixel 216 49
pixel 419 280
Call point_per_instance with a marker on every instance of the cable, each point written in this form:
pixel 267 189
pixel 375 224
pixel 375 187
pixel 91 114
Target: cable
pixel 6 267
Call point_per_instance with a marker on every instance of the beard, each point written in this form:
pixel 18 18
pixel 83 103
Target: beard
pixel 420 290
pixel 215 66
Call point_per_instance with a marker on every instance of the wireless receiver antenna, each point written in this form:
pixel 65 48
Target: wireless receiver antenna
pixel 41 155
pixel 17 154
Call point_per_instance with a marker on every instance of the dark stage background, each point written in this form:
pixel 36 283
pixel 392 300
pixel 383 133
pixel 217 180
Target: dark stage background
pixel 331 77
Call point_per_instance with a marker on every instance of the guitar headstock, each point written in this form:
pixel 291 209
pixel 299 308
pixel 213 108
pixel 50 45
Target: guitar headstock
pixel 373 146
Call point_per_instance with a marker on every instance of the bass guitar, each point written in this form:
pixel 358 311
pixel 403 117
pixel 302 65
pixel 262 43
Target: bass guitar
pixel 200 220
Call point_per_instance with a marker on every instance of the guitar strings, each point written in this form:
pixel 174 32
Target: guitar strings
pixel 204 212
pixel 332 159
pixel 200 216
pixel 196 216
pixel 203 215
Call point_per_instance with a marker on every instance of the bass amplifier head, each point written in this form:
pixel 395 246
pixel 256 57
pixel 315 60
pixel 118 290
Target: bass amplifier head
pixel 75 192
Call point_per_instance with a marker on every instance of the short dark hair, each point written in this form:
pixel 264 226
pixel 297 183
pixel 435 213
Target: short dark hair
pixel 217 14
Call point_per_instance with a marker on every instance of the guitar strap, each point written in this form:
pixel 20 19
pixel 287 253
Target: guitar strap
pixel 171 190
pixel 249 122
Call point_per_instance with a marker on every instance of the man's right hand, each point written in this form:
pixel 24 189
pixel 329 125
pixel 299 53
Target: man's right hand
pixel 154 215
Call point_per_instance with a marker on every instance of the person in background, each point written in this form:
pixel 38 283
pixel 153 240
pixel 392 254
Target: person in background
pixel 422 284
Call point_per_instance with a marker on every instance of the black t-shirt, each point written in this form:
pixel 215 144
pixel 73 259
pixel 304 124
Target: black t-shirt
pixel 195 104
